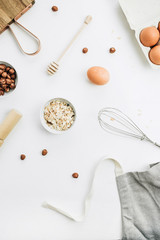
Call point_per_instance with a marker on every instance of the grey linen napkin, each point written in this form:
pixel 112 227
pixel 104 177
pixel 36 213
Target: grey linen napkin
pixel 140 203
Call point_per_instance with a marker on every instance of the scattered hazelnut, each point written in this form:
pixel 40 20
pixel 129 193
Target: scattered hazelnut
pixel 54 8
pixel 112 50
pixel 85 50
pixel 44 152
pixel 22 156
pixel 75 175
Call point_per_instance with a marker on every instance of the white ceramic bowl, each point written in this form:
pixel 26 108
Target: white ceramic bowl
pixel 43 121
pixel 6 94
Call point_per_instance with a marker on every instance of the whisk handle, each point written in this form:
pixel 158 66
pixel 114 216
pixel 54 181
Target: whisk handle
pixel 149 140
pixel 156 144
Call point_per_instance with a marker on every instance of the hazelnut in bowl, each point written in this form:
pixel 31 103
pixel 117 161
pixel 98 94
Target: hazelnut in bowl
pixel 58 115
pixel 8 79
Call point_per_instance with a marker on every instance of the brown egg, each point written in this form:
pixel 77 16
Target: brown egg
pixel 154 55
pixel 159 26
pixel 158 43
pixel 98 75
pixel 149 36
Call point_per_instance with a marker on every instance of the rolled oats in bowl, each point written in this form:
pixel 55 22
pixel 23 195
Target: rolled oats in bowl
pixel 58 115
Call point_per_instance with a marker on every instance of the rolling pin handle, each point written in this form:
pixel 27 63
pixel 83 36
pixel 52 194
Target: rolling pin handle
pixel 8 124
pixel 1 142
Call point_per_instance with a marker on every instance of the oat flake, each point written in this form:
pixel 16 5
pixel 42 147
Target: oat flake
pixel 59 115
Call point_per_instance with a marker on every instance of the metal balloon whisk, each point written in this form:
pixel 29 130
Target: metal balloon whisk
pixel 115 121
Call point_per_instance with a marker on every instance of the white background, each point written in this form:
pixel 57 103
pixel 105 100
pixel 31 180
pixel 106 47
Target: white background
pixel 134 88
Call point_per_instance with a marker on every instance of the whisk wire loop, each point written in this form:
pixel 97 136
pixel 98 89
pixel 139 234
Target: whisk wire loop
pixel 127 126
pixel 107 127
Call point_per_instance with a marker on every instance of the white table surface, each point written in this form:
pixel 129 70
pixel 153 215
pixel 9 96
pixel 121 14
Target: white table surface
pixel 134 88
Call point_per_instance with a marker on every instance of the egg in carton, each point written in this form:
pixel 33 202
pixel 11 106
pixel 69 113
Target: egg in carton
pixel 142 14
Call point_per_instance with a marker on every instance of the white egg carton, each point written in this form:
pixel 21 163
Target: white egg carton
pixel 141 14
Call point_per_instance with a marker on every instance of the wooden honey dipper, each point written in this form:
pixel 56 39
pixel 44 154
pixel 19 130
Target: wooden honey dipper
pixel 53 67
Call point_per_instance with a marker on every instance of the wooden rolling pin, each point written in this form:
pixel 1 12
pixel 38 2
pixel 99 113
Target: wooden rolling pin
pixel 8 124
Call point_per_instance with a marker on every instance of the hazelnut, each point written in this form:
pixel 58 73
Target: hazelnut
pixel 1 71
pixel 1 93
pixel 8 81
pixel 75 175
pixel 22 156
pixel 2 81
pixel 54 8
pixel 85 50
pixel 12 85
pixel 2 66
pixel 7 78
pixel 44 152
pixel 112 50
pixel 7 89
pixel 13 76
pixel 4 74
pixel 11 71
pixel 4 86
pixel 7 69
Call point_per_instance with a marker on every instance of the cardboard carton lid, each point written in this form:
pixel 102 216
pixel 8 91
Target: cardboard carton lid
pixel 141 13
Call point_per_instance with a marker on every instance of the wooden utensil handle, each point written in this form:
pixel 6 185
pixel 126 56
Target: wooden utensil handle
pixel 24 11
pixel 86 22
pixel 34 36
pixel 8 124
